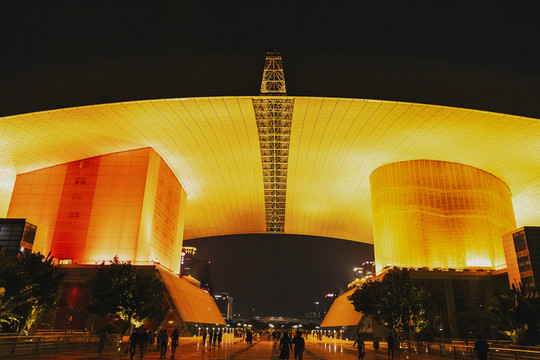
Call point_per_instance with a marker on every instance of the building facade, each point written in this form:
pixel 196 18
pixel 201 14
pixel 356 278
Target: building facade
pixel 439 215
pixel 522 250
pixel 16 235
pixel 224 303
pixel 126 204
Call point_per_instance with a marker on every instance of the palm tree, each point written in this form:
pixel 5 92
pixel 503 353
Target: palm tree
pixel 517 312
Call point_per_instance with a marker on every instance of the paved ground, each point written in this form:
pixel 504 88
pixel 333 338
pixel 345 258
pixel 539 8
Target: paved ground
pixel 191 348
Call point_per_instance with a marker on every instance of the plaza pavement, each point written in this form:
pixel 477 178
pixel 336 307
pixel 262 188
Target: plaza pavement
pixel 191 348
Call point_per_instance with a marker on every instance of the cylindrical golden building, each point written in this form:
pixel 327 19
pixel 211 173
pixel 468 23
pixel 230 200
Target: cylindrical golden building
pixel 439 215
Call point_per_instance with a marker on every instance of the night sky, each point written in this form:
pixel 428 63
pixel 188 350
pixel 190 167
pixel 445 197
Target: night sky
pixel 278 274
pixel 474 54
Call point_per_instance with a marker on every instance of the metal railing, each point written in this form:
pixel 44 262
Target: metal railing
pixel 465 352
pixel 20 344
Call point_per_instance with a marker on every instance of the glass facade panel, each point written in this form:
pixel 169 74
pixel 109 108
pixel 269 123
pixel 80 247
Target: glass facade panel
pixel 437 214
pixel 126 204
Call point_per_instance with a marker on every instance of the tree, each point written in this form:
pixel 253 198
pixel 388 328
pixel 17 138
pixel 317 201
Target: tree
pixel 134 295
pixel 395 301
pixel 516 313
pixel 11 278
pixel 44 280
pixel 31 287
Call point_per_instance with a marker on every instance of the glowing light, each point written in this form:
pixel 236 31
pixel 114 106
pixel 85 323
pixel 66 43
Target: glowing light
pixel 439 215
pixel 213 150
pixel 93 209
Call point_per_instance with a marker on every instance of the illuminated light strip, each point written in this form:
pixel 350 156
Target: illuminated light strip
pixel 274 119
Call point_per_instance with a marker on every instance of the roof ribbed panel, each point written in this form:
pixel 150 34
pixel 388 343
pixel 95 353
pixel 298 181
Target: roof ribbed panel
pixel 212 147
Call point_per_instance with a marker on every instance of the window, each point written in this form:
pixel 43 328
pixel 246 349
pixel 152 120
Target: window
pixel 524 263
pixel 520 242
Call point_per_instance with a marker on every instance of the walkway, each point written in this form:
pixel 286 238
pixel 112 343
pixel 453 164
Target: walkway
pixel 191 348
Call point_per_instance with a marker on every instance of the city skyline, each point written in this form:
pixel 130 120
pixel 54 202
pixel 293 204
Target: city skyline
pixel 481 57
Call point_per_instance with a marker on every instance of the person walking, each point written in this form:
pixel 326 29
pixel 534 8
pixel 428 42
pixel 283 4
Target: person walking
pixel 133 342
pixel 219 337
pixel 163 343
pixel 299 345
pixel 285 346
pixel 151 337
pixel 204 334
pixel 143 341
pixel 102 339
pixel 361 346
pixel 481 348
pixel 390 343
pixel 174 342
pixel 249 336
pixel 210 337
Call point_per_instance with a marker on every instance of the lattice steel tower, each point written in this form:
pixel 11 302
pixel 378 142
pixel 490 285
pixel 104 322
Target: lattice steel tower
pixel 273 112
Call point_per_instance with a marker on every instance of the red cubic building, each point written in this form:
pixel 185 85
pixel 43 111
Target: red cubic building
pixel 127 204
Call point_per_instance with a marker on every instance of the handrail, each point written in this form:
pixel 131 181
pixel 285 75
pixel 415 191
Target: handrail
pixel 465 352
pixel 15 345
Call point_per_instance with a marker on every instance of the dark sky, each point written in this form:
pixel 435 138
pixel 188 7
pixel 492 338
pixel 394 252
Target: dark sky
pixel 474 54
pixel 279 274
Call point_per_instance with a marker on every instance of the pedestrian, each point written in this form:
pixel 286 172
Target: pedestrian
pixel 219 337
pixel 481 348
pixel 361 346
pixel 299 345
pixel 214 341
pixel 133 342
pixel 376 344
pixel 174 342
pixel 249 336
pixel 163 343
pixel 210 337
pixel 151 337
pixel 285 346
pixel 143 341
pixel 204 334
pixel 390 344
pixel 102 339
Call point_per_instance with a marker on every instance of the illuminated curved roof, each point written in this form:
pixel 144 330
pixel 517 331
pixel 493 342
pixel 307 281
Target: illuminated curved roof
pixel 212 146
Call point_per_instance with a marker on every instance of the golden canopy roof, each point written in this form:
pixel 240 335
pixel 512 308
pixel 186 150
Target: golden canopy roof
pixel 212 146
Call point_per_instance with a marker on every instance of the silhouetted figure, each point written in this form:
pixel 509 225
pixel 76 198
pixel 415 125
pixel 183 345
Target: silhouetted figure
pixel 219 337
pixel 102 339
pixel 376 344
pixel 133 342
pixel 143 341
pixel 210 337
pixel 204 334
pixel 390 342
pixel 214 340
pixel 299 345
pixel 174 342
pixel 163 342
pixel 361 346
pixel 481 348
pixel 285 346
pixel 152 337
pixel 249 337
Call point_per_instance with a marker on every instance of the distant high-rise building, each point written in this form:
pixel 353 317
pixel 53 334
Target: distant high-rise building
pixel 16 235
pixel 186 258
pixel 522 251
pixel 328 301
pixel 224 303
pixel 365 270
pixel 315 313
